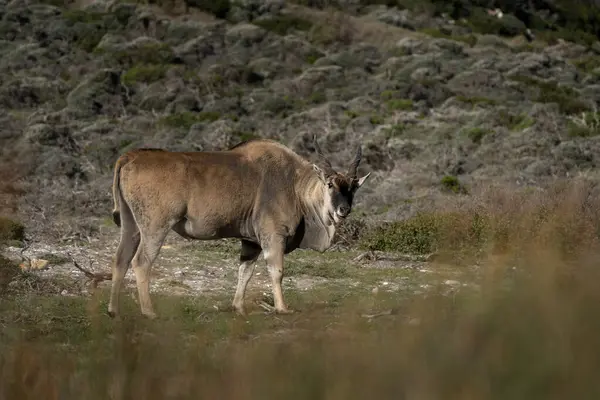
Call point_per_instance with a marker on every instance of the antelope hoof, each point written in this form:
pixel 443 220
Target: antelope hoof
pixel 239 310
pixel 150 315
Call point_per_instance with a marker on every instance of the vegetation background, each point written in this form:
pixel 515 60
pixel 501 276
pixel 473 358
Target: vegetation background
pixel 468 268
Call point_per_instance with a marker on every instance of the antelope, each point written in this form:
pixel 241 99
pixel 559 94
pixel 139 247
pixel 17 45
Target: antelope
pixel 258 191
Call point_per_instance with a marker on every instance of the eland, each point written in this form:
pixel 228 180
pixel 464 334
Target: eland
pixel 258 191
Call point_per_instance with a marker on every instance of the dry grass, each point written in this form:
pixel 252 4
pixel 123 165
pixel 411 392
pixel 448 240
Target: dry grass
pixel 528 330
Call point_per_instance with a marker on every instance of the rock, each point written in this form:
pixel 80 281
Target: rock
pixel 36 264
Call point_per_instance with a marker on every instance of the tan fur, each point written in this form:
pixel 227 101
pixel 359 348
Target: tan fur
pixel 260 191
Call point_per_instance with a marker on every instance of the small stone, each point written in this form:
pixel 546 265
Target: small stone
pixel 35 264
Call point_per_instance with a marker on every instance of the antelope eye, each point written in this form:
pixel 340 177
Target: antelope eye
pixel 329 185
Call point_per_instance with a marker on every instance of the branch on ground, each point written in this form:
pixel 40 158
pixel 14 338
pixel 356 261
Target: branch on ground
pixel 94 277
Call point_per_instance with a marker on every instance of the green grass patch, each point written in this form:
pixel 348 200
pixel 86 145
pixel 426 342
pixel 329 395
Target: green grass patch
pixel 452 184
pixel 587 125
pixel 146 73
pixel 185 120
pixel 399 104
pixel 476 133
pixel 376 119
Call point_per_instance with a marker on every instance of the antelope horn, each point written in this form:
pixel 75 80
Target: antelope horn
pixel 326 162
pixel 354 166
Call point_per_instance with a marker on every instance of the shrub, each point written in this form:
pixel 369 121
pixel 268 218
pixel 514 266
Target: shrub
pixel 395 130
pixel 282 24
pixel 146 73
pixel 399 104
pixel 11 230
pixel 337 28
pixel 476 134
pixel 376 119
pixel 429 232
pixel 186 119
pixel 512 121
pixel 550 92
pixel 585 126
pixel 452 184
pixel 473 100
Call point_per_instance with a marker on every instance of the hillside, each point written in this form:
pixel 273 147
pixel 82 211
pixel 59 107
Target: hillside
pixel 440 106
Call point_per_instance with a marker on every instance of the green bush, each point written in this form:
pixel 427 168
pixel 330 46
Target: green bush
pixel 146 73
pixel 282 24
pixel 476 133
pixel 565 97
pixel 399 104
pixel 11 230
pixel 430 232
pixel 452 184
pixel 586 126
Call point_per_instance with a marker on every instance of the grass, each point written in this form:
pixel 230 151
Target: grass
pixel 521 323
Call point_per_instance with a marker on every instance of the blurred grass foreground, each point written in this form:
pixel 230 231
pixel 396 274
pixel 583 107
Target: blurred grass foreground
pixel 526 327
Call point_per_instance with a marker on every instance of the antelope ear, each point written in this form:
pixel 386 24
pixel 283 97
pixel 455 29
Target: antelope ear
pixel 362 180
pixel 319 172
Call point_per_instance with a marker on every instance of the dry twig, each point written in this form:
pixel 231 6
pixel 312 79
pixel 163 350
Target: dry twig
pixel 95 277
